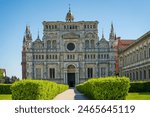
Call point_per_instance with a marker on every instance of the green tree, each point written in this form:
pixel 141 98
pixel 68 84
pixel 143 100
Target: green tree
pixel 14 79
pixel 1 74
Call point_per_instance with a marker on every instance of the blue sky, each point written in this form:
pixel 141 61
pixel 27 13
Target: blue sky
pixel 131 20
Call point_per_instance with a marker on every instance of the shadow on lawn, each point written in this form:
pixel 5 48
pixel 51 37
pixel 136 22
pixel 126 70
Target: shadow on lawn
pixel 144 93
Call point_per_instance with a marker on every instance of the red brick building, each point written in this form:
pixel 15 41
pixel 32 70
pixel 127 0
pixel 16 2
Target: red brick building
pixel 120 44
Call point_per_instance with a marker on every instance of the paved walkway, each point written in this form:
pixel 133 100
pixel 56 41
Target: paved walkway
pixel 71 94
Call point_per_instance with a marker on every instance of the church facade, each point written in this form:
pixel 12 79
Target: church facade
pixel 69 52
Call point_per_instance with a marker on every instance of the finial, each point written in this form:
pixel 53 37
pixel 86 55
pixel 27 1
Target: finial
pixel 102 33
pixel 38 37
pixel 69 7
pixel 27 28
pixel 112 27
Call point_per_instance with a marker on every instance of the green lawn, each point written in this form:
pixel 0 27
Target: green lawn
pixel 5 97
pixel 138 96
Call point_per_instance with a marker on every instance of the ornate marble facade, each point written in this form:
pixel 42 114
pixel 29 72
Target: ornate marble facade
pixel 70 52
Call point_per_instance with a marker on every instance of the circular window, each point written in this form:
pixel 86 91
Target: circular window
pixel 70 46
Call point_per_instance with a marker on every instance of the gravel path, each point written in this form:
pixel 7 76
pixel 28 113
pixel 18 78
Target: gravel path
pixel 71 94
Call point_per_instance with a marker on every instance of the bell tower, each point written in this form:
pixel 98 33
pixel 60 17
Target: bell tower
pixel 112 36
pixel 27 40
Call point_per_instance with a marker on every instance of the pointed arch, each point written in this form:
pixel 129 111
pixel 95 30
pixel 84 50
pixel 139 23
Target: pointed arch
pixel 87 43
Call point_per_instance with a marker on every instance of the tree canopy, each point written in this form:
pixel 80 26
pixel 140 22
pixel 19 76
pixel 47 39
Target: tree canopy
pixel 1 73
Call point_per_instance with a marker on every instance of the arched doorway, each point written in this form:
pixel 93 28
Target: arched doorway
pixel 71 75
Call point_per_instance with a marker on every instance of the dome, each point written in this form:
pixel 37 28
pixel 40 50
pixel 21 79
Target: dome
pixel 69 16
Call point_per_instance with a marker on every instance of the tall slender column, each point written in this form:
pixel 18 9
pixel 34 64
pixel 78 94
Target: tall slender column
pixel 65 77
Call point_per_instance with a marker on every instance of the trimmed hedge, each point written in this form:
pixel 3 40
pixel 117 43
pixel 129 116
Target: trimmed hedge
pixel 5 89
pixel 62 88
pixel 110 88
pixel 36 90
pixel 140 86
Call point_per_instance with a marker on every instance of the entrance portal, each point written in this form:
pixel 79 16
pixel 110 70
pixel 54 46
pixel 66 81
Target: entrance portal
pixel 71 79
pixel 71 75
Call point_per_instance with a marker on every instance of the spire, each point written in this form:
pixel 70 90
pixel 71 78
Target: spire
pixel 27 35
pixel 112 27
pixel 69 16
pixel 27 29
pixel 102 34
pixel 69 8
pixel 27 39
pixel 38 37
pixel 115 36
pixel 24 39
pixel 112 35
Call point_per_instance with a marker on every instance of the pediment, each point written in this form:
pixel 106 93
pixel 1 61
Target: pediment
pixel 70 36
pixel 103 43
pixel 38 44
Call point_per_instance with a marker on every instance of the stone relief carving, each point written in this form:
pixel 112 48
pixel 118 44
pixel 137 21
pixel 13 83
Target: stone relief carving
pixel 89 35
pixel 70 36
pixel 103 46
pixel 38 45
pixel 53 35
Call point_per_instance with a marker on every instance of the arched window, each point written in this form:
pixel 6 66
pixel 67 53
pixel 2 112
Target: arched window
pixel 92 43
pixel 52 73
pixel 90 72
pixel 87 44
pixel 46 26
pixel 54 44
pixel 55 56
pixel 48 44
pixel 38 73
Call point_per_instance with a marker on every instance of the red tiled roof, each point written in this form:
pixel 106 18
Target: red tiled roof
pixel 124 43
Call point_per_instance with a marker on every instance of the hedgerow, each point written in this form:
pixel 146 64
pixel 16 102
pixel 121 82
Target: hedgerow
pixel 110 88
pixel 140 86
pixel 36 90
pixel 5 89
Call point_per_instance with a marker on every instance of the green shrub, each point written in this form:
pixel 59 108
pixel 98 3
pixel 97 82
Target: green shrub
pixel 140 86
pixel 35 90
pixel 62 87
pixel 110 88
pixel 5 89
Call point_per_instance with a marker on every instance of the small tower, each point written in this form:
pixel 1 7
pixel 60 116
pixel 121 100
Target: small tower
pixel 27 40
pixel 69 16
pixel 112 36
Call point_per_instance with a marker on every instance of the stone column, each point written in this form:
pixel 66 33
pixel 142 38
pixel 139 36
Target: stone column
pixel 65 77
pixel 44 71
pixel 77 77
pixel 147 73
